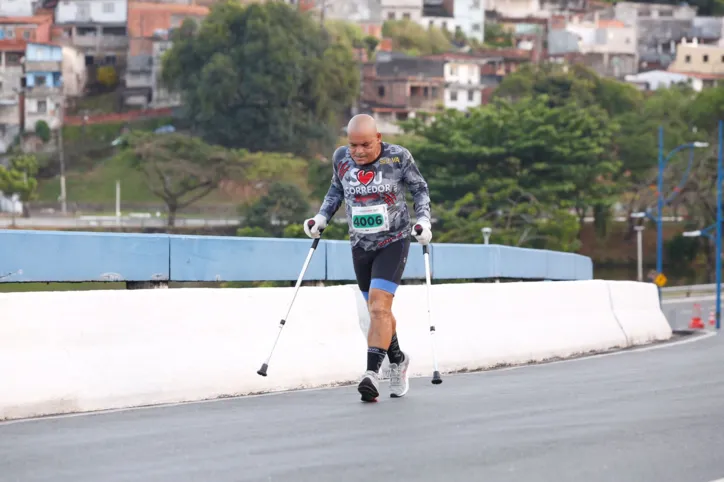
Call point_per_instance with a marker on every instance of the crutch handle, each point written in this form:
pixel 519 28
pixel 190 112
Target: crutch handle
pixel 315 243
pixel 418 230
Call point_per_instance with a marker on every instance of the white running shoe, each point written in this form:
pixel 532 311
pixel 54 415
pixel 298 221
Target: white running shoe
pixel 399 382
pixel 369 386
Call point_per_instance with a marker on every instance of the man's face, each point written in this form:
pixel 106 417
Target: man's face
pixel 364 146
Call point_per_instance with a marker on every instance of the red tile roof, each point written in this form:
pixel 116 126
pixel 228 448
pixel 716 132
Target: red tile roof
pixel 145 18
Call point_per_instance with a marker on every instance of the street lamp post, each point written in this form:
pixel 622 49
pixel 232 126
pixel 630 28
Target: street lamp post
pixel 639 244
pixel 660 193
pixel 486 234
pixel 717 225
pixel 639 251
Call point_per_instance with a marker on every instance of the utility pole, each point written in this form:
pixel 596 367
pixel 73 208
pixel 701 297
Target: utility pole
pixel 61 154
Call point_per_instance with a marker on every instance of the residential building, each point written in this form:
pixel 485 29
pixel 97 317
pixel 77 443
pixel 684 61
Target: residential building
pixel 709 30
pixel 95 27
pixel 462 75
pixel 402 10
pixel 11 74
pixel 513 8
pixel 659 28
pixel 499 63
pixel 705 62
pixel 397 87
pixel 656 79
pixel 145 18
pixel 303 5
pixel 26 29
pixel 470 18
pixel 75 72
pixel 149 25
pixel 367 14
pixel 439 14
pixel 143 84
pixel 528 33
pixel 16 8
pixel 607 46
pixel 43 86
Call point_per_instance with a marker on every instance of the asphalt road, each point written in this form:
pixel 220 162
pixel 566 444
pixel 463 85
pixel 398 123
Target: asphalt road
pixel 654 415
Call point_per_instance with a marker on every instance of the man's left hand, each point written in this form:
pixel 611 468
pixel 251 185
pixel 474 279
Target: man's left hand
pixel 425 236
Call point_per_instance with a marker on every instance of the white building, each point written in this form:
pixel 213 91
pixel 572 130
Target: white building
pixel 470 18
pixel 515 8
pixel 16 8
pixel 656 79
pixel 463 89
pixel 401 10
pixel 11 72
pixel 96 27
pixel 75 73
pixel 91 11
pixel 439 14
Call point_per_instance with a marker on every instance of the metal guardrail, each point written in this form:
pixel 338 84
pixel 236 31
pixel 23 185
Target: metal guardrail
pixel 687 291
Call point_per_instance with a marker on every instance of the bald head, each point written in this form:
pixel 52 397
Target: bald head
pixel 362 123
pixel 365 143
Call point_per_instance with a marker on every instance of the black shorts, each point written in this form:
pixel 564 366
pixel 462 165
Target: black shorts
pixel 382 268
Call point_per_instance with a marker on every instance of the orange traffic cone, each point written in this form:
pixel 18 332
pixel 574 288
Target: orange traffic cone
pixel 712 318
pixel 696 323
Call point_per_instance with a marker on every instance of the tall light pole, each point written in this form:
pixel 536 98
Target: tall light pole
pixel 660 193
pixel 61 155
pixel 717 225
pixel 719 173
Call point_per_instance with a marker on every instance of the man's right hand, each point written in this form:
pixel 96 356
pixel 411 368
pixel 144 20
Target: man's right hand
pixel 317 223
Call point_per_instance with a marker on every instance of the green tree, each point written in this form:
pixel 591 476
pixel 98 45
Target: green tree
pixel 707 108
pixel 107 76
pixel 483 161
pixel 181 169
pixel 371 44
pixel 42 130
pixel 345 33
pixel 496 36
pixel 263 77
pixel 413 39
pixel 283 204
pixel 20 178
pixel 562 83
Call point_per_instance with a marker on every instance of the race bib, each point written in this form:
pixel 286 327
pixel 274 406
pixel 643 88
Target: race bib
pixel 370 219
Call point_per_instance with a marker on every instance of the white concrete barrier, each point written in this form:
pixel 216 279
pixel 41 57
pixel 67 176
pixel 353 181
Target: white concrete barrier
pixel 637 309
pixel 66 352
pixel 485 325
pixel 76 351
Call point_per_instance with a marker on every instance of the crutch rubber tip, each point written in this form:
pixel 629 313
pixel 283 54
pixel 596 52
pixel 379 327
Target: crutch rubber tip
pixel 436 380
pixel 262 370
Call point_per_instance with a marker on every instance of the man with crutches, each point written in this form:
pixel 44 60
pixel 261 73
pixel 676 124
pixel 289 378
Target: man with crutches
pixel 372 177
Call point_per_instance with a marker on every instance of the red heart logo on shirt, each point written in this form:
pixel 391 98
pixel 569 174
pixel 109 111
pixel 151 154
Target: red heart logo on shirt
pixel 365 177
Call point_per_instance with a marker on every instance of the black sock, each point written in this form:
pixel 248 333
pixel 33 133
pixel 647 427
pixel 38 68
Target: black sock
pixel 374 358
pixel 394 352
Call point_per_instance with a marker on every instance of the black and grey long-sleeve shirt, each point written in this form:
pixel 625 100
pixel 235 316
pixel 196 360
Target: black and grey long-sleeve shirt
pixel 374 196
